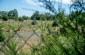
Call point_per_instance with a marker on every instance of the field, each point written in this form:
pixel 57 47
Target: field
pixel 27 36
pixel 36 38
pixel 42 27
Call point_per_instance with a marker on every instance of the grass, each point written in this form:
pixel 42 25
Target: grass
pixel 50 43
pixel 26 25
pixel 11 25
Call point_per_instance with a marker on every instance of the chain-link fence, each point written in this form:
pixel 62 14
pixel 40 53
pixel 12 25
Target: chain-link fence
pixel 24 39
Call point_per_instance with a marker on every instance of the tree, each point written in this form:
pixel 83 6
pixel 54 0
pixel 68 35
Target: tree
pixel 42 16
pixel 49 4
pixel 13 14
pixel 35 16
pixel 48 16
pixel 10 14
pixel 25 17
pixel 4 15
pixel 79 5
pixel 72 30
pixel 20 19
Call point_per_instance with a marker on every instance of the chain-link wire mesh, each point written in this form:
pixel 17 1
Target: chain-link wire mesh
pixel 25 39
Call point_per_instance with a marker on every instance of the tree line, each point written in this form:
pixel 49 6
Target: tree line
pixel 12 14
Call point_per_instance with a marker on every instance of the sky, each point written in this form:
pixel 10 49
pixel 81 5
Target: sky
pixel 28 7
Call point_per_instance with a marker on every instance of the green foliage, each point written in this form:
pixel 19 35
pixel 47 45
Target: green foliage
pixel 13 14
pixel 34 23
pixel 4 15
pixel 70 28
pixel 2 38
pixel 54 24
pixel 5 18
pixel 68 39
pixel 49 16
pixel 11 48
pixel 35 16
pixel 44 16
pixel 20 19
pixel 25 17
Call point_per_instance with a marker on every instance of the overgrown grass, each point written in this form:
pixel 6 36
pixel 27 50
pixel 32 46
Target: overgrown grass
pixel 53 41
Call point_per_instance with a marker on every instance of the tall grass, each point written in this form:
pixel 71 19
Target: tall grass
pixel 54 42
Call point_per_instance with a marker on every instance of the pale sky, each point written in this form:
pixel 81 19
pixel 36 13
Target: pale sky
pixel 7 5
pixel 65 1
pixel 35 2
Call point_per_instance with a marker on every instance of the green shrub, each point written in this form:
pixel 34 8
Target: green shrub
pixel 20 19
pixel 5 18
pixel 54 24
pixel 34 23
pixel 2 38
pixel 25 17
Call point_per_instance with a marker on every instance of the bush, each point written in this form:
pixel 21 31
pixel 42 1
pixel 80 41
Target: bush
pixel 33 23
pixel 54 24
pixel 4 18
pixel 25 17
pixel 1 35
pixel 20 19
